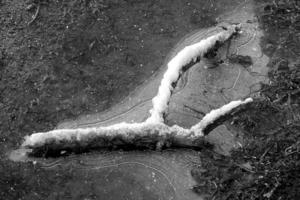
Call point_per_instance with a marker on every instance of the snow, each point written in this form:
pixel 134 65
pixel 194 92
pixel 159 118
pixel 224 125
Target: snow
pixel 122 130
pixel 184 57
pixel 130 131
pixel 216 114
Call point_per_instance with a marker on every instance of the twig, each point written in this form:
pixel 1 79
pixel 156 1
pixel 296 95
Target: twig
pixel 35 14
pixel 264 154
pixel 194 110
pixel 236 80
pixel 274 2
pixel 244 168
pixel 295 148
pixel 270 193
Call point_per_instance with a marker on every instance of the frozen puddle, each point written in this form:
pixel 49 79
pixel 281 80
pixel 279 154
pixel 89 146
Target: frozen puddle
pixel 235 72
pixel 127 175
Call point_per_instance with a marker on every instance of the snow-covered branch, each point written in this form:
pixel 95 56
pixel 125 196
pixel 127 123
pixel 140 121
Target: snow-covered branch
pixel 143 135
pixel 214 115
pixel 187 55
pixel 152 133
pixel 139 135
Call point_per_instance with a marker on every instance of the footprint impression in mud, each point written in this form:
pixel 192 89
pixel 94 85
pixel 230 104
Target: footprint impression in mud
pixel 234 71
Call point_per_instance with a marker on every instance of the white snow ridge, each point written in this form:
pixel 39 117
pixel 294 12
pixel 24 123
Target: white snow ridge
pixel 153 132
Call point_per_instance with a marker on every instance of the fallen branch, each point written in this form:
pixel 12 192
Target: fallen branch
pixel 35 14
pixel 151 134
pixel 119 136
pixel 143 135
pixel 190 54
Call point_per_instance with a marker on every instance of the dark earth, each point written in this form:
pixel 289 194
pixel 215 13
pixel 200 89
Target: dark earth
pixel 60 59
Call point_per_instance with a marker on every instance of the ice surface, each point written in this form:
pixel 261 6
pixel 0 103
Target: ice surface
pixel 154 127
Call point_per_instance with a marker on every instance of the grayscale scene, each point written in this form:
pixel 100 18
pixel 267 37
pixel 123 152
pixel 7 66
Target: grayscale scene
pixel 149 100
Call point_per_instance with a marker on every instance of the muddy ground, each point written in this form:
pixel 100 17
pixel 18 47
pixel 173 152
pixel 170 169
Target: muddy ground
pixel 60 59
pixel 268 166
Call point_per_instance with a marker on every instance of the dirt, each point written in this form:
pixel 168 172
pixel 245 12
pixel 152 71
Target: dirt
pixel 79 57
pixel 267 167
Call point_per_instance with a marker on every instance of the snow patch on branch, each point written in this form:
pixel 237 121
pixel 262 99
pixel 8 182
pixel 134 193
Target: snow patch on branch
pixel 124 132
pixel 213 115
pixel 187 55
pixel 145 132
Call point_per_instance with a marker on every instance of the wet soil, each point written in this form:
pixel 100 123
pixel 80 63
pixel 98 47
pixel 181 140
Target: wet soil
pixel 267 167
